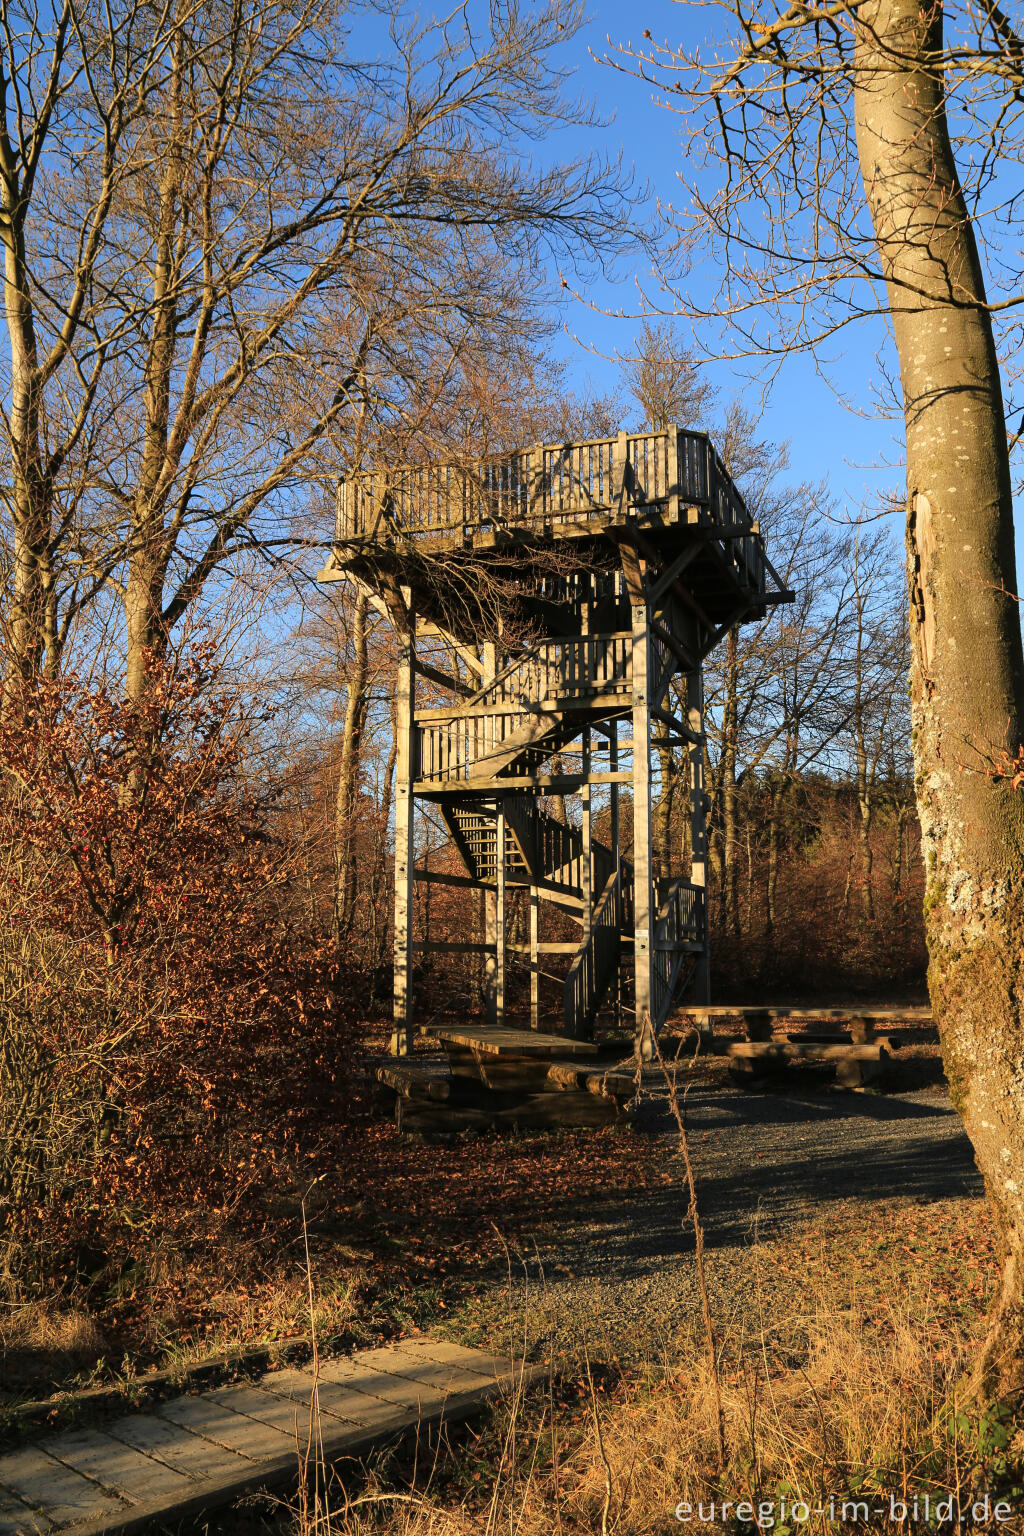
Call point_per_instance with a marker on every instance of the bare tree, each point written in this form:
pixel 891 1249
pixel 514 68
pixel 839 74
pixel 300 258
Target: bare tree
pixel 842 191
pixel 218 223
pixel 876 634
pixel 667 383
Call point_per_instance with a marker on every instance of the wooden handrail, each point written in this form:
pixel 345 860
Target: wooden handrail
pixel 541 486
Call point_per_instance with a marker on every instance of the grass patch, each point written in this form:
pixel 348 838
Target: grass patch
pixel 841 1387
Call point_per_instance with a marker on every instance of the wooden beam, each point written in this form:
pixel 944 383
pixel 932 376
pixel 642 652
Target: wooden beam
pixel 441 877
pixel 543 949
pixel 682 731
pixel 684 658
pixel 534 950
pixel 500 912
pixel 444 679
pixel 561 783
pixel 616 848
pixel 671 574
pixel 633 568
pixel 435 632
pixel 405 686
pixel 586 862
pixel 453 947
pixel 683 593
pixel 699 825
pixel 553 707
pixel 643 954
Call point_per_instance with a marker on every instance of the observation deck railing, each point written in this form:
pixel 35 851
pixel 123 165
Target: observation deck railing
pixel 545 489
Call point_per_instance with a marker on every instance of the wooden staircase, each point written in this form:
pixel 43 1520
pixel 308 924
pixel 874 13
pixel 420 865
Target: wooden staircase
pixel 512 727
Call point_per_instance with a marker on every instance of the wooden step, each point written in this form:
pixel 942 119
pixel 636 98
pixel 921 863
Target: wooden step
pixel 491 1040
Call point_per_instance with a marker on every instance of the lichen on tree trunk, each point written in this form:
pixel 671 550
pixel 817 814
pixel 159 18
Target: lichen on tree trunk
pixel 967 669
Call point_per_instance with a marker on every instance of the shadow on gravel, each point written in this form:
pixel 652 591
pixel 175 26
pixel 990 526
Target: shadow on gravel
pixel 776 1107
pixel 767 1162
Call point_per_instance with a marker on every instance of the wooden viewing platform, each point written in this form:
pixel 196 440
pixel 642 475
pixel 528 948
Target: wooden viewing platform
pixel 564 667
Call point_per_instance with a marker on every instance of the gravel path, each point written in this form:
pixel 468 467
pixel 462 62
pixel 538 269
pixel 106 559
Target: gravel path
pixel 766 1164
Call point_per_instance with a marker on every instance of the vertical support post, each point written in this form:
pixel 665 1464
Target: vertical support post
pixel 698 825
pixel 489 659
pixel 643 903
pixel 534 958
pixel 499 913
pixel 405 848
pixel 620 472
pixel 586 877
pixel 491 952
pixel 672 472
pixel 613 833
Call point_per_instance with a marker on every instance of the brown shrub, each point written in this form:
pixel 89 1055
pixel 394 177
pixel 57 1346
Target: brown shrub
pixel 168 1038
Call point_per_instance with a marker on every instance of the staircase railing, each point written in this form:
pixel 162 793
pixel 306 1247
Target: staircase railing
pixel 597 958
pixel 484 735
pixel 552 848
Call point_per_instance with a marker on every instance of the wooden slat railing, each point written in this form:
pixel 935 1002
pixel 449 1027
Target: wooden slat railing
pixel 542 488
pixel 597 958
pixel 476 739
pixel 679 923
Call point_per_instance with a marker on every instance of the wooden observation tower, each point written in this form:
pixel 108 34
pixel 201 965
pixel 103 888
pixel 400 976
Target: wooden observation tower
pixel 560 603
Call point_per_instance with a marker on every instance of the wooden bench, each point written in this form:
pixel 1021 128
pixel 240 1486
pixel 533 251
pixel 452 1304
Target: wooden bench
pixel 858 1064
pixel 761 1022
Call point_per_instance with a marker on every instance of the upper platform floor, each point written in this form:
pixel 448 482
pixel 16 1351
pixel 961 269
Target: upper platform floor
pixel 661 493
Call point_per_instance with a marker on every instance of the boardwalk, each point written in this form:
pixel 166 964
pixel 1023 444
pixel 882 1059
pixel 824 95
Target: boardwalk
pixel 194 1453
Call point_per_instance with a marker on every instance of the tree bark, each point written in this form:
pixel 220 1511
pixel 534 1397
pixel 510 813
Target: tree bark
pixel 866 807
pixel 150 548
pixel 348 784
pixel 967 669
pixel 31 493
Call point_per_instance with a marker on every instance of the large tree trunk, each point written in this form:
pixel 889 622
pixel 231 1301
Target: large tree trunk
pixel 866 806
pixel 30 496
pixel 967 670
pixel 149 554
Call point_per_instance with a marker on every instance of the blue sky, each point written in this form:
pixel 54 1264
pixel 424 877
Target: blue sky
pixel 851 446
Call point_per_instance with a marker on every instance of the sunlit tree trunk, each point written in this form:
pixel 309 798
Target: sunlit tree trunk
pixel 150 548
pixel 346 796
pixel 30 496
pixel 967 669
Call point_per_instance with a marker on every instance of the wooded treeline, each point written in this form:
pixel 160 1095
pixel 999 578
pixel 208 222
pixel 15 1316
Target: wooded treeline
pixel 244 252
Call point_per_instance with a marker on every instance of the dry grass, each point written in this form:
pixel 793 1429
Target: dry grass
pixel 37 1338
pixel 863 1414
pixel 845 1387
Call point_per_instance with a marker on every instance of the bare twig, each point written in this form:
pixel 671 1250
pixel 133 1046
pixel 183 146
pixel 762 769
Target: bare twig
pixel 678 1111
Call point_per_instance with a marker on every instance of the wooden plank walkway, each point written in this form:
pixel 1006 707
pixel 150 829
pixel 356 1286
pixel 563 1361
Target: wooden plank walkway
pixel 192 1454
